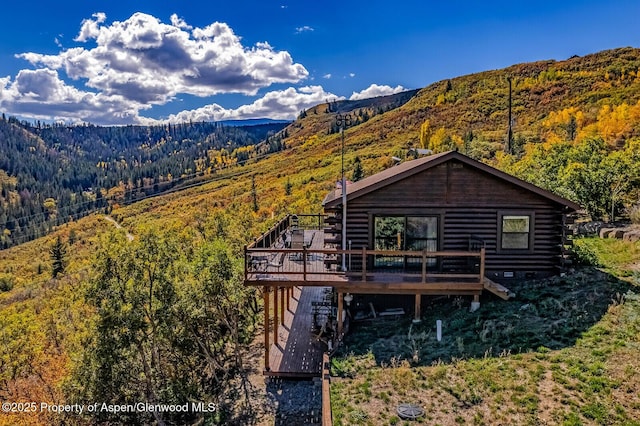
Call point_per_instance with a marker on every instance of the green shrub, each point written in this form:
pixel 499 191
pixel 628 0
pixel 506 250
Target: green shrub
pixel 358 416
pixel 6 282
pixel 584 255
pixel 634 214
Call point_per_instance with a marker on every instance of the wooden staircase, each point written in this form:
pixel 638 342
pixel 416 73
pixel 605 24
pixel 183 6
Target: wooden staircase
pixel 498 289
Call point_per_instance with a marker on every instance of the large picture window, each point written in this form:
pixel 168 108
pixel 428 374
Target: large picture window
pixel 405 233
pixel 515 232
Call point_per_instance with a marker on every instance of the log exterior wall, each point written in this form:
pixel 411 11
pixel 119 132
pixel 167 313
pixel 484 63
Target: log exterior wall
pixel 468 201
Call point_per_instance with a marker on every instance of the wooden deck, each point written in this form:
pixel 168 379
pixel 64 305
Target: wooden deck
pixel 317 266
pixel 297 352
pixel 288 265
pixel 294 278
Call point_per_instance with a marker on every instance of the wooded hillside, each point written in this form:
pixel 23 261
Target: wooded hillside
pixel 50 174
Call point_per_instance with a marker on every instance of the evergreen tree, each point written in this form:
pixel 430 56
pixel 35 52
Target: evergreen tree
pixel 358 172
pixel 171 319
pixel 466 142
pixel 572 128
pixel 254 194
pixel 287 187
pixel 73 237
pixel 58 254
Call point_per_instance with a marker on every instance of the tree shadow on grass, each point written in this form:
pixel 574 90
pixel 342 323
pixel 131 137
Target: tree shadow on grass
pixel 550 313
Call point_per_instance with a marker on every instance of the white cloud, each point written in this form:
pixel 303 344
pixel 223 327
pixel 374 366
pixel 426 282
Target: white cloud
pixel 149 62
pixel 41 94
pixel 304 29
pixel 351 74
pixel 179 22
pixel 5 82
pixel 141 61
pixel 90 27
pixel 327 76
pixel 279 104
pixel 375 90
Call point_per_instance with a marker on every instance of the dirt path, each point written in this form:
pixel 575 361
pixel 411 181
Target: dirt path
pixel 117 225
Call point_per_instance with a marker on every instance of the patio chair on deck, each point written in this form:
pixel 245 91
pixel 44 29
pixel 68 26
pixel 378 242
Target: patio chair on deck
pixel 297 242
pixel 277 262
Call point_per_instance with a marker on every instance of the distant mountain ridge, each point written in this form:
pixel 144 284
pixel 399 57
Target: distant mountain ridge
pixel 252 122
pixel 50 174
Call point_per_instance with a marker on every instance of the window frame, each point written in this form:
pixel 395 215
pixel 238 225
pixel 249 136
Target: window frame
pixel 530 239
pixel 405 216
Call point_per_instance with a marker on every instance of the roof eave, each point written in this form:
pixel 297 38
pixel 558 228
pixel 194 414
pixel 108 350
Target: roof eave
pixel 332 200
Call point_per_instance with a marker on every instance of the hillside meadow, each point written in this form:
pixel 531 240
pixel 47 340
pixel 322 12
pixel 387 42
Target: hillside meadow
pixel 563 352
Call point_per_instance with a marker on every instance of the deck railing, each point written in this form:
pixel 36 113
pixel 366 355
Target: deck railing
pixel 306 265
pixel 308 221
pixel 421 266
pixel 292 252
pixel 290 221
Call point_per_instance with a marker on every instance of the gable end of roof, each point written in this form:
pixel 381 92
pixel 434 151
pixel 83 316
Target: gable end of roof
pixel 409 168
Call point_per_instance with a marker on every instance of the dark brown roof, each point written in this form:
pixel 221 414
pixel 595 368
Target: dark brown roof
pixel 409 168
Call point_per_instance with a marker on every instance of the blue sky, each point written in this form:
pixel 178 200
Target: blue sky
pixel 145 62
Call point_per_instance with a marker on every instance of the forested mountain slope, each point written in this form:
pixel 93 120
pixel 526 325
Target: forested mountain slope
pixel 50 174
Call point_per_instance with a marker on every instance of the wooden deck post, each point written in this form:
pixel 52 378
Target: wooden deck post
pixel 482 255
pixel 246 264
pixel 475 305
pixel 364 264
pixel 289 294
pixel 424 267
pixel 265 295
pixel 418 311
pixel 304 263
pixel 282 305
pixel 340 296
pixel 275 315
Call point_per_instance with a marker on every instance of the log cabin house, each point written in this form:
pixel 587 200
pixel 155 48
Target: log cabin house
pixel 442 224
